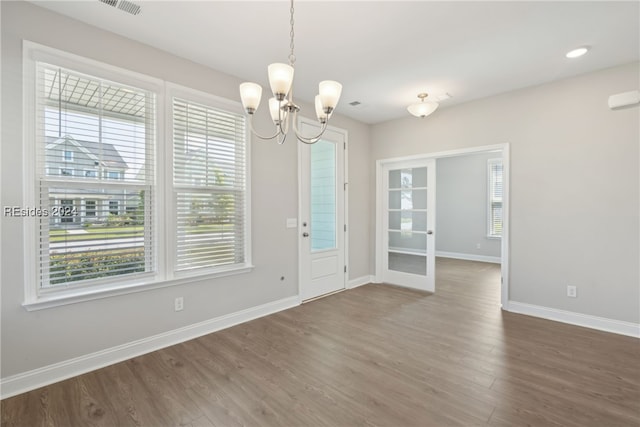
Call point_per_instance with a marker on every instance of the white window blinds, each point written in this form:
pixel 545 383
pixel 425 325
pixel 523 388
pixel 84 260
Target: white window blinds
pixel 495 197
pixel 209 183
pixel 94 166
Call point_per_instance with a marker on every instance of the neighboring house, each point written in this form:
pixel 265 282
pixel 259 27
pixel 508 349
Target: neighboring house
pixel 85 161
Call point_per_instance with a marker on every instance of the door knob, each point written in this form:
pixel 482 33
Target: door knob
pixel 429 231
pixel 305 234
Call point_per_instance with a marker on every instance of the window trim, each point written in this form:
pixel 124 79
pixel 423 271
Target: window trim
pixel 490 163
pixel 174 90
pixel 37 298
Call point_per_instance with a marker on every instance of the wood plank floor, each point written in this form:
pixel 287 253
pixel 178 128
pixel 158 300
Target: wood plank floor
pixel 373 356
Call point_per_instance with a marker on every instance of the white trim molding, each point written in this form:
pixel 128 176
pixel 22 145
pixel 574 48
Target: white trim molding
pixel 469 257
pixel 359 281
pixel 578 319
pixel 26 381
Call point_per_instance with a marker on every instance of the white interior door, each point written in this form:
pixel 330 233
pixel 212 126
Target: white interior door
pixel 407 194
pixel 322 213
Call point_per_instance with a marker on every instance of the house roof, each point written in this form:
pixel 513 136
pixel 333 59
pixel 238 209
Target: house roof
pixel 106 154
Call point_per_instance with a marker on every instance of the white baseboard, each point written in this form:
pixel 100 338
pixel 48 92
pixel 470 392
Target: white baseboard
pixel 469 257
pixel 588 321
pixel 23 382
pixel 354 283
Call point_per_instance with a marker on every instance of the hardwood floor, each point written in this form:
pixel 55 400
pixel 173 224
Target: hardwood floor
pixel 372 356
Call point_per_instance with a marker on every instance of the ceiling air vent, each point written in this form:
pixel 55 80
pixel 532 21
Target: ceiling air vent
pixel 124 5
pixel 355 103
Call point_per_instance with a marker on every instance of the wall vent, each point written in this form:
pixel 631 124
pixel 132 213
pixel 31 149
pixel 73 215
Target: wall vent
pixel 124 5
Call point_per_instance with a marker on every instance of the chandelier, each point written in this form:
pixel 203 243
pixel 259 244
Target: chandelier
pixel 422 109
pixel 281 106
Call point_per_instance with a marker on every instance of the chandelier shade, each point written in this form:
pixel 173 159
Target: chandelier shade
pixel 281 107
pixel 280 79
pixel 422 109
pixel 250 94
pixel 330 92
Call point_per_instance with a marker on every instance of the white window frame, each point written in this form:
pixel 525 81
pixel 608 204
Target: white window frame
pixel 196 96
pixel 163 276
pixel 490 232
pixel 64 156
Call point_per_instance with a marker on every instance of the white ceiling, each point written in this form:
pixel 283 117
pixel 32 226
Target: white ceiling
pixel 384 52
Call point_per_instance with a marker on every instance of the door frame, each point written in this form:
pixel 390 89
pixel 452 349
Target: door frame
pixel 504 264
pixel 314 124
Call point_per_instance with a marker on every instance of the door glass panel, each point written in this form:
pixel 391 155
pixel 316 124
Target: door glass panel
pixel 406 263
pixel 323 196
pixel 407 221
pixel 419 199
pixel 407 226
pixel 394 199
pixel 409 242
pixel 419 177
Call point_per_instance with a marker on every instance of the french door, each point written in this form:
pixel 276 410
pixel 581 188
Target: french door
pixel 406 255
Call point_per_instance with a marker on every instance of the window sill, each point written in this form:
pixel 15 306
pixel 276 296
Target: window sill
pixel 82 295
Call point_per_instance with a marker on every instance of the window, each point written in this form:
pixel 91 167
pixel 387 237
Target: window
pixel 113 207
pixel 495 197
pixel 110 124
pixel 104 119
pixel 90 208
pixel 66 210
pixel 208 186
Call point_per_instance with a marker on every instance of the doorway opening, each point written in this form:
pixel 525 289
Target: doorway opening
pixel 488 243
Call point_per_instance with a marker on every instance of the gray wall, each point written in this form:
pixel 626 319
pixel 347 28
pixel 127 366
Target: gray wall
pixel 35 339
pixel 574 185
pixel 461 206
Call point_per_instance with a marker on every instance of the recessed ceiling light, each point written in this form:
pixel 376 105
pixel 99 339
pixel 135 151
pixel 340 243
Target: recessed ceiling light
pixel 575 53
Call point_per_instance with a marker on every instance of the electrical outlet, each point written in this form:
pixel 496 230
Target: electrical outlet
pixel 178 304
pixel 572 291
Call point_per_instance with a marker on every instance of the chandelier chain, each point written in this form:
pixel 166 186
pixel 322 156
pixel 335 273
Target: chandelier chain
pixel 292 57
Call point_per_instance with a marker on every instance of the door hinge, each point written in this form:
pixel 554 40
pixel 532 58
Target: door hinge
pixel 345 268
pixel 345 227
pixel 344 145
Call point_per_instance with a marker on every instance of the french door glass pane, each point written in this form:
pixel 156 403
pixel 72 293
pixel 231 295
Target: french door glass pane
pixel 406 263
pixel 407 221
pixel 323 196
pixel 407 226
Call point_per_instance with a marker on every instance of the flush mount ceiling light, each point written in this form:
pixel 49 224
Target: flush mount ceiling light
pixel 281 106
pixel 575 53
pixel 422 109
